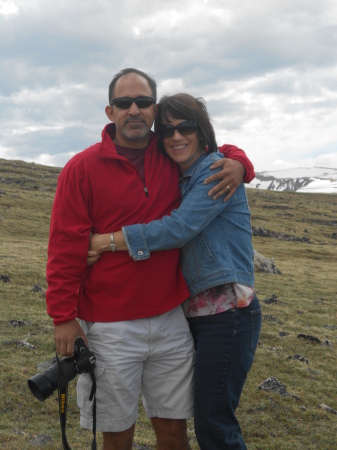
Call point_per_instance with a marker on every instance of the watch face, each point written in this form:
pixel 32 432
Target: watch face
pixel 113 247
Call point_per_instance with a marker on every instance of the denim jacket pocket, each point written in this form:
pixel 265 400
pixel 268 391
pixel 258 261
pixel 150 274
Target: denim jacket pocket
pixel 197 257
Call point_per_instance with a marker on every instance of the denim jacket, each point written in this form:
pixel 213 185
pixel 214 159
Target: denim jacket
pixel 215 236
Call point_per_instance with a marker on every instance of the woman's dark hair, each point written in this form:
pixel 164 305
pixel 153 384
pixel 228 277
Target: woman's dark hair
pixel 186 107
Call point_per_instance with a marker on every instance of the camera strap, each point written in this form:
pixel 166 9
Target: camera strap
pixel 62 386
pixel 92 398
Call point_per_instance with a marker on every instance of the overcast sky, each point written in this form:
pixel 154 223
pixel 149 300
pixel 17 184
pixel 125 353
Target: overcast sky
pixel 267 70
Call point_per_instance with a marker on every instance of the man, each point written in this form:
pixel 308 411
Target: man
pixel 130 313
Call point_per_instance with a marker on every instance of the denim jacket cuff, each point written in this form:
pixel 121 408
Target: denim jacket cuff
pixel 135 241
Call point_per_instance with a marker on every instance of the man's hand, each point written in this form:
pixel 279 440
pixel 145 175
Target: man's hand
pixel 231 177
pixel 65 336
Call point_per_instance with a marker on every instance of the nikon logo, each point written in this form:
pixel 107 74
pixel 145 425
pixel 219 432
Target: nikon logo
pixel 63 402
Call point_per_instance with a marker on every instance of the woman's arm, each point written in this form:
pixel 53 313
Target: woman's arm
pixel 171 231
pixel 100 243
pixel 195 213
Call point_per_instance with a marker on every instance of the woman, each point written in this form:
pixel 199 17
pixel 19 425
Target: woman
pixel 217 258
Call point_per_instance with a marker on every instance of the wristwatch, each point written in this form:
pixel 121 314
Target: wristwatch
pixel 112 244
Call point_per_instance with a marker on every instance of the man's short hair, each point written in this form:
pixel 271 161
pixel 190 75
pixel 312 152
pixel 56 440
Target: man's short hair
pixel 152 83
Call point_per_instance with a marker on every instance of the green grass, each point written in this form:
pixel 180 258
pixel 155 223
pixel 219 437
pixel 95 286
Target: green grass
pixel 306 288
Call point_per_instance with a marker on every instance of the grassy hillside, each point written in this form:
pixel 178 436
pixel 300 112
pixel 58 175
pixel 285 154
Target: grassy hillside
pixel 306 305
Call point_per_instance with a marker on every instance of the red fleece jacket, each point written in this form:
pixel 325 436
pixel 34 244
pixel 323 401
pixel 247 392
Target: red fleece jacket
pixel 99 191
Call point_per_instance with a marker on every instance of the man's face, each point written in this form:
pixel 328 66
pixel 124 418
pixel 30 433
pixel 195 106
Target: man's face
pixel 133 124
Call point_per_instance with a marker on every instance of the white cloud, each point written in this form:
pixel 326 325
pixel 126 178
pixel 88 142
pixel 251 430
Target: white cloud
pixel 171 86
pixel 7 153
pixel 8 8
pixel 267 71
pixel 58 160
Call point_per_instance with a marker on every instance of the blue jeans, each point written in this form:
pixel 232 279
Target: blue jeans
pixel 225 347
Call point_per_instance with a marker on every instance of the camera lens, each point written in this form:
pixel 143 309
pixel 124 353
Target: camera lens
pixel 44 384
pixel 40 386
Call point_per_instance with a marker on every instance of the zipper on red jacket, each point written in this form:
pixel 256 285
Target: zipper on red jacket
pixel 128 162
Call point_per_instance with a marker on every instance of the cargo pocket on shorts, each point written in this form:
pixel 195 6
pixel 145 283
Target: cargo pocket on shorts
pixel 84 386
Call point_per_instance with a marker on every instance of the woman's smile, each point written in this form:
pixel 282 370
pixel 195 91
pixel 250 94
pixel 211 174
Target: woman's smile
pixel 183 149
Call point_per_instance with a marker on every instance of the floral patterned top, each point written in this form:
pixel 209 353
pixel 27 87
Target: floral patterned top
pixel 218 299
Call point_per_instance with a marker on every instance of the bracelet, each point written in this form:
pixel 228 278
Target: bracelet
pixel 113 247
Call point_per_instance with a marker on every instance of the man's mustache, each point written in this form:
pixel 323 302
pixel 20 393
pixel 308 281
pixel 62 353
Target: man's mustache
pixel 134 119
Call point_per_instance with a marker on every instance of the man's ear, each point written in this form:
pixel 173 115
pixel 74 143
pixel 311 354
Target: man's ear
pixel 156 110
pixel 109 113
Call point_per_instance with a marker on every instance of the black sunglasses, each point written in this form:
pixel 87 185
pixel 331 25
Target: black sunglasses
pixel 126 102
pixel 186 127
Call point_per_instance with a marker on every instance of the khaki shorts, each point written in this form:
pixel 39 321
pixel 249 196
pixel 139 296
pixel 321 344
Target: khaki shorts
pixel 154 356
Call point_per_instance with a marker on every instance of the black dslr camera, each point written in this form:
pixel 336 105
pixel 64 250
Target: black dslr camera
pixel 44 384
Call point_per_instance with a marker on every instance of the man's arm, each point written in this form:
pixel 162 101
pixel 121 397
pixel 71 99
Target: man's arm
pixel 236 167
pixel 67 250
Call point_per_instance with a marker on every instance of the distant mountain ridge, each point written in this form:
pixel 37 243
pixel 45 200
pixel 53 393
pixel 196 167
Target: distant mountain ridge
pixel 300 179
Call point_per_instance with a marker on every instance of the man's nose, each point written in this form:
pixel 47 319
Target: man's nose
pixel 134 109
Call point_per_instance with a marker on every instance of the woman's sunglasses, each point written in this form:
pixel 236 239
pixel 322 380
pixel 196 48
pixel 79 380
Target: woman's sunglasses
pixel 126 102
pixel 186 127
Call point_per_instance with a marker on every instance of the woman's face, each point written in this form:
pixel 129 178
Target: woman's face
pixel 182 148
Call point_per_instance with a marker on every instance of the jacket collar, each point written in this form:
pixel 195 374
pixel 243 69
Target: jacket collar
pixel 194 166
pixel 108 149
